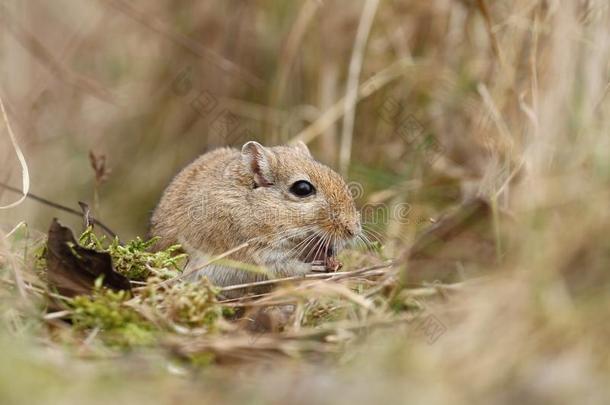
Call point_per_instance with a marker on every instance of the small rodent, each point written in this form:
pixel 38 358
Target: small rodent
pixel 291 211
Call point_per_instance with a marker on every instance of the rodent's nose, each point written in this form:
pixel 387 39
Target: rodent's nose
pixel 348 225
pixel 353 229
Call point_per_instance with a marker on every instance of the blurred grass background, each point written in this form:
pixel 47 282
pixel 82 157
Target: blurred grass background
pixel 513 96
pixel 149 84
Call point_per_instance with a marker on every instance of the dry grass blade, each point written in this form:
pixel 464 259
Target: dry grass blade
pixel 309 341
pixel 369 87
pixel 7 256
pixel 211 261
pixel 327 276
pixel 25 175
pixel 484 8
pixel 351 96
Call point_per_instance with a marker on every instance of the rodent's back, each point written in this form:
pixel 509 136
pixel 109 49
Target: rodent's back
pixel 196 188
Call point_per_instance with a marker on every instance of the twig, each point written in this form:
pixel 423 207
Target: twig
pixel 86 214
pixel 330 276
pixel 267 299
pixel 352 273
pixel 62 208
pixel 56 315
pixel 259 299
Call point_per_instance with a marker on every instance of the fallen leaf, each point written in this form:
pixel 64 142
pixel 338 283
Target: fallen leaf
pixel 73 269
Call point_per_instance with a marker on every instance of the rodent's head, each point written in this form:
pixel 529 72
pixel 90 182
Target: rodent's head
pixel 306 206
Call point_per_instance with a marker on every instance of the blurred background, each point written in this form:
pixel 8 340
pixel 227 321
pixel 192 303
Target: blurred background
pixel 425 103
pixel 148 86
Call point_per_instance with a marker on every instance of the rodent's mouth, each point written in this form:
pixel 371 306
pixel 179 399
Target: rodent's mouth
pixel 318 254
pixel 322 256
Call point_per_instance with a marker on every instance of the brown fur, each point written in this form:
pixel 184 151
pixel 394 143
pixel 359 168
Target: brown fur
pixel 226 198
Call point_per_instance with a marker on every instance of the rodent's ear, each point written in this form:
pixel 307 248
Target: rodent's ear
pixel 257 159
pixel 302 146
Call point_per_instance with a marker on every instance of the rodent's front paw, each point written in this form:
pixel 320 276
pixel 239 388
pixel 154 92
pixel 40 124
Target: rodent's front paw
pixel 330 265
pixel 333 264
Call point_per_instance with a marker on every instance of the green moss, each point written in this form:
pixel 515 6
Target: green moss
pixel 106 310
pixel 323 311
pixel 202 359
pixel 123 320
pixel 192 305
pixel 134 259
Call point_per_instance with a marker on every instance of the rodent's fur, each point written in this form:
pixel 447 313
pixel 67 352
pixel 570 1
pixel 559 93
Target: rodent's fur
pixel 226 198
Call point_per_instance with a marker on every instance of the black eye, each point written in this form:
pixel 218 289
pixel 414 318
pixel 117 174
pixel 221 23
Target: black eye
pixel 302 188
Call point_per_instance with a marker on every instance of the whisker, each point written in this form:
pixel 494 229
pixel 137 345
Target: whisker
pixel 367 242
pixel 288 234
pixel 303 244
pixel 378 235
pixel 358 241
pixel 362 242
pixel 314 249
pixel 371 237
pixel 321 244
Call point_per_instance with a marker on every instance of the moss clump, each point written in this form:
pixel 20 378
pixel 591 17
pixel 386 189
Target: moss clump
pixel 192 305
pixel 107 311
pixel 322 310
pixel 156 308
pixel 134 259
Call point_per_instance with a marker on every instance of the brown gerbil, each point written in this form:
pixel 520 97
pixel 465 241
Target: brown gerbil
pixel 290 211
